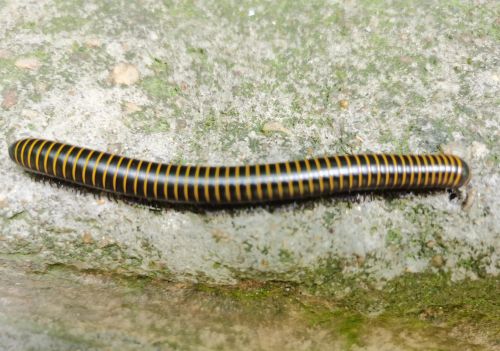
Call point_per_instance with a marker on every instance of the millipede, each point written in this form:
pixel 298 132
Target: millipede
pixel 238 184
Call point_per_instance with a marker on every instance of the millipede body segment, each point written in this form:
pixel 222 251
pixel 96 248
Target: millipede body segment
pixel 238 184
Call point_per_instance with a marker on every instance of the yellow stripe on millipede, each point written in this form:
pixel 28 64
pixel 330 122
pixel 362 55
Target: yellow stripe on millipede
pixel 386 163
pixel 217 183
pixel 299 175
pixel 30 151
pixel 452 170
pixel 96 165
pixel 136 179
pixel 403 166
pixel 291 189
pixel 16 148
pixel 40 148
pixel 117 170
pixel 237 182
pixel 419 167
pixel 396 173
pixel 360 172
pixel 412 171
pixel 227 187
pixel 379 171
pixel 459 171
pixel 280 185
pixel 22 150
pixel 369 171
pixel 349 171
pixel 176 182
pixel 84 170
pixel 65 162
pixel 165 185
pixel 330 174
pixel 75 163
pixel 440 173
pixel 433 170
pixel 145 187
pixel 105 173
pixel 260 195
pixel 269 182
pixel 207 191
pixel 56 158
pixel 45 161
pixel 248 185
pixel 341 176
pixel 426 170
pixel 186 183
pixel 310 176
pixel 320 177
pixel 155 182
pixel 127 170
pixel 446 168
pixel 196 181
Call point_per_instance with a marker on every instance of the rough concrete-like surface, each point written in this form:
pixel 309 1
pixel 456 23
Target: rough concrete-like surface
pixel 222 82
pixel 64 309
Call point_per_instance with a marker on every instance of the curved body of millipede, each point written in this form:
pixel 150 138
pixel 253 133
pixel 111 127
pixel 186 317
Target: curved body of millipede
pixel 195 184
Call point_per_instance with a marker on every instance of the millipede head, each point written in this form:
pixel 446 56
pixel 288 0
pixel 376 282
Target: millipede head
pixel 467 174
pixel 12 148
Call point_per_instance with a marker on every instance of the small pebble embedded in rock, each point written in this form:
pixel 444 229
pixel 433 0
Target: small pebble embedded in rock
pixel 124 74
pixel 93 43
pixel 29 63
pixel 430 244
pixel 87 238
pixel 437 261
pixel 9 99
pixel 130 107
pixel 272 126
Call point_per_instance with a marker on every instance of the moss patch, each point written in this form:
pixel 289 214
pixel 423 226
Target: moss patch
pixel 64 24
pixel 418 303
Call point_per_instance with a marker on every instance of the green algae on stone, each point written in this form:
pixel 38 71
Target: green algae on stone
pixel 158 88
pixel 64 24
pixel 147 120
pixel 10 73
pixel 418 303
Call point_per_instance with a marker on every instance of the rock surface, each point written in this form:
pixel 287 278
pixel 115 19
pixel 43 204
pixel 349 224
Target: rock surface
pixel 415 82
pixel 228 82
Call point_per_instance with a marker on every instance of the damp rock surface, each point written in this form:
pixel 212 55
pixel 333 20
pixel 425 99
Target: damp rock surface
pixel 225 82
pixel 58 307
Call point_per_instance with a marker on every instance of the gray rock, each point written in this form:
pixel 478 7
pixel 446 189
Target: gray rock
pixel 415 80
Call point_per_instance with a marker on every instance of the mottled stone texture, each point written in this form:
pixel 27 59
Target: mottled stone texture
pixel 225 82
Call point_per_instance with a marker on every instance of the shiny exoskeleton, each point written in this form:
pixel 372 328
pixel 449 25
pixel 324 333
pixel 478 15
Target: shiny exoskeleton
pixel 238 184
